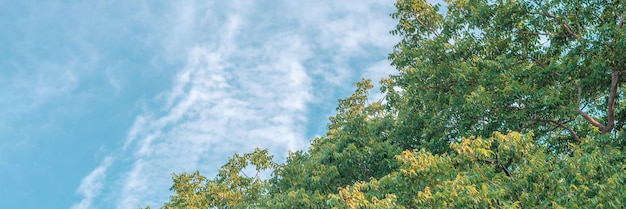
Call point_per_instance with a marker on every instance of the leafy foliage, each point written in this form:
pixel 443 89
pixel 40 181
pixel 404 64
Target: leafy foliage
pixel 231 187
pixel 504 171
pixel 503 104
pixel 548 66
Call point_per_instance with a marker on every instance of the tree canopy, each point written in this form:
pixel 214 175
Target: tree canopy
pixel 496 103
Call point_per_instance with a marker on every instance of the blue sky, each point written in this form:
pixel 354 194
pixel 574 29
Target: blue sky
pixel 102 100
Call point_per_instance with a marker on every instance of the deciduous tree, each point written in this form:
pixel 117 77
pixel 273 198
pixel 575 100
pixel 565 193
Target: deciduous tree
pixel 497 103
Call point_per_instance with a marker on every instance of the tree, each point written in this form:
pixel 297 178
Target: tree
pixel 503 171
pixel 356 148
pixel 231 188
pixel 515 104
pixel 550 66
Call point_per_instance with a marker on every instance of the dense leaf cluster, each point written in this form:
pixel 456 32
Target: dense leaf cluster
pixel 497 103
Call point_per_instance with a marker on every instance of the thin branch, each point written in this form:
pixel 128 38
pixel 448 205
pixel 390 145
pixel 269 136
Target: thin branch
pixel 578 23
pixel 562 125
pixel 566 26
pixel 506 171
pixel 611 105
pixel 480 171
pixel 516 107
pixel 569 29
pixel 541 64
pixel 599 18
pixel 580 92
pixel 244 174
pixel 532 120
pixel 585 115
pixel 544 34
pixel 424 25
pixel 491 161
pixel 535 60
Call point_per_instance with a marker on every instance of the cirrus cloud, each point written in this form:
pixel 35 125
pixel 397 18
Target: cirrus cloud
pixel 251 77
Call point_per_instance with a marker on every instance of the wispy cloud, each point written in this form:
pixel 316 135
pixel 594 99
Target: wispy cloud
pixel 91 185
pixel 248 81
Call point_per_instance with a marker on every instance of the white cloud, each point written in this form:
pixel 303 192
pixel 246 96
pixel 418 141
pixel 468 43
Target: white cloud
pixel 216 108
pixel 91 185
pixel 249 78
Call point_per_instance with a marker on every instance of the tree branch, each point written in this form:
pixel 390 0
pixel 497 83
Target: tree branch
pixel 599 18
pixel 566 26
pixel 569 29
pixel 541 64
pixel 543 34
pixel 424 25
pixel 562 125
pixel 610 109
pixel 491 161
pixel 525 57
pixel 578 24
pixel 590 119
pixel 506 171
pixel 580 92
pixel 611 106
